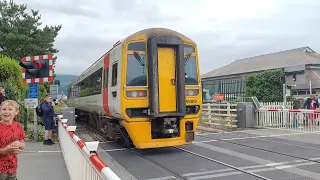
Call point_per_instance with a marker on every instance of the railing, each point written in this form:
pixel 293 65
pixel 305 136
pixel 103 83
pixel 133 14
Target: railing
pixel 289 119
pixel 80 157
pixel 275 105
pixel 222 116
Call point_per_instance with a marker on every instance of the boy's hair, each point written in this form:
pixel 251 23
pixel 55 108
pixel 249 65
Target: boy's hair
pixel 11 103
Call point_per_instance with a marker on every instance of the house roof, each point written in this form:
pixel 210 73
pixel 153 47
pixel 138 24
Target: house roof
pixel 292 57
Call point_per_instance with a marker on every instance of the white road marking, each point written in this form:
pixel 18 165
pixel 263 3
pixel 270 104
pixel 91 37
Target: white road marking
pixel 283 167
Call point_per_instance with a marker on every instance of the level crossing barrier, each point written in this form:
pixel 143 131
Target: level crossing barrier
pixel 80 157
pixel 288 119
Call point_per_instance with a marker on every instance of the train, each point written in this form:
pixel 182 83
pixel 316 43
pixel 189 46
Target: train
pixel 145 91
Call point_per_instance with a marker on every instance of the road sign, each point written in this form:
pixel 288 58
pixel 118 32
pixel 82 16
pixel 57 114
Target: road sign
pixel 31 103
pixel 33 90
pixel 218 97
pixel 54 91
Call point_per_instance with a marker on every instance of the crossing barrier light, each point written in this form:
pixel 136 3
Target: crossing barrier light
pixel 35 68
pixel 92 146
pixel 72 128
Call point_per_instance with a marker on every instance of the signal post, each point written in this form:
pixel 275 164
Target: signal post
pixel 35 70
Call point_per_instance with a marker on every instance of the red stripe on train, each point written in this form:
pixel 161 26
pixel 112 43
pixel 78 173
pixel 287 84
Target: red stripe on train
pixel 105 91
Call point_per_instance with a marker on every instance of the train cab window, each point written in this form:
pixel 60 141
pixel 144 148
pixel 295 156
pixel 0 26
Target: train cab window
pixel 114 74
pixel 188 49
pixel 190 67
pixel 137 46
pixel 191 71
pixel 136 70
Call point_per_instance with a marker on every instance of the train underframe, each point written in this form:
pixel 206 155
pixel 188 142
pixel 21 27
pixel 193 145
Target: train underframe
pixel 114 131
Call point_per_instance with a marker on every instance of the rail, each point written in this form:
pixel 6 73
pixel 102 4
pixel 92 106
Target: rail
pixel 80 157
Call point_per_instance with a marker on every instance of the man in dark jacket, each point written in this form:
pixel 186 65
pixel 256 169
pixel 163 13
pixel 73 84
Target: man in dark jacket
pixel 48 120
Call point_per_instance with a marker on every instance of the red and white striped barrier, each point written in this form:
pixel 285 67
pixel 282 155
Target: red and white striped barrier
pixel 289 119
pixel 100 166
pixel 287 110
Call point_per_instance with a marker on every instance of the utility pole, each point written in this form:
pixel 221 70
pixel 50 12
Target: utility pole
pixel 284 96
pixel 310 87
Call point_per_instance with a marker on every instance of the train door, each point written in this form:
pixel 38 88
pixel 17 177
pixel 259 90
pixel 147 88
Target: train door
pixel 106 78
pixel 167 79
pixel 115 91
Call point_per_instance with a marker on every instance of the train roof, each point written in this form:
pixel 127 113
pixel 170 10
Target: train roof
pixel 158 31
pixel 148 32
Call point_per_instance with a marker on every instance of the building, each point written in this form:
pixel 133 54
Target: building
pixel 301 65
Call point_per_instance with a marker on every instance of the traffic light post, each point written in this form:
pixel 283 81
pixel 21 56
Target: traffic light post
pixel 35 69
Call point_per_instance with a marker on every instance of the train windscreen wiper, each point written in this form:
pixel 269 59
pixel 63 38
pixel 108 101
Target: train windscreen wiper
pixel 186 58
pixel 138 58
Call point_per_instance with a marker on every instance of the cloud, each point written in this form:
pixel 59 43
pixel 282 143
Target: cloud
pixel 224 30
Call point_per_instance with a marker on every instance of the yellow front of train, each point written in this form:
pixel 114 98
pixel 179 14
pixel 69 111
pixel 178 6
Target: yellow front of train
pixel 162 98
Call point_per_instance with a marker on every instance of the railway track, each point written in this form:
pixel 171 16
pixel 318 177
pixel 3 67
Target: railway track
pixel 88 133
pixel 85 132
pixel 266 150
pixel 178 176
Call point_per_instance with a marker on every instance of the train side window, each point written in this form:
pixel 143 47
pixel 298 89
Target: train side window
pixel 137 46
pixel 114 74
pixel 105 78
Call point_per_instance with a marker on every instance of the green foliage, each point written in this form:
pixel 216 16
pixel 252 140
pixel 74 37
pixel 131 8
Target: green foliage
pixel 20 33
pixel 266 86
pixel 11 79
pixel 30 131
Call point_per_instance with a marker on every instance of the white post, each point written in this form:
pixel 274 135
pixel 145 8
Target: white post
pixel 310 87
pixel 35 125
pixel 284 96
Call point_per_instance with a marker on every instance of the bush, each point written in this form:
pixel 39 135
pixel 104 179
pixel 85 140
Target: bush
pixel 30 131
pixel 266 86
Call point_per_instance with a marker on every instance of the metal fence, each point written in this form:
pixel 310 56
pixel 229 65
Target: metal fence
pixel 232 88
pixel 288 119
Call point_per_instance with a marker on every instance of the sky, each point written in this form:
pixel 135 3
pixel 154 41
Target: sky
pixel 223 30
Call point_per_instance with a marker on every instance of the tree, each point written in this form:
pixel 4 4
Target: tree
pixel 20 33
pixel 266 86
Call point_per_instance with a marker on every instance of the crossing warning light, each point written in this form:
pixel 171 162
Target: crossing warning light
pixel 37 69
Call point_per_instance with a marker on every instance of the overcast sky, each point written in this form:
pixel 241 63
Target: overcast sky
pixel 225 30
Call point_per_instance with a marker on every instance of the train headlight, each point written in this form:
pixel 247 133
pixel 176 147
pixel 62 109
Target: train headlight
pixel 136 93
pixel 192 92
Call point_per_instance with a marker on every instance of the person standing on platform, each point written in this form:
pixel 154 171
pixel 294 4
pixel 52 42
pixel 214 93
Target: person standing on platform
pixel 11 139
pixel 48 120
pixel 2 94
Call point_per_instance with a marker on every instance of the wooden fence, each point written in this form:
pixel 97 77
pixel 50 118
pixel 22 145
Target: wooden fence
pixel 224 116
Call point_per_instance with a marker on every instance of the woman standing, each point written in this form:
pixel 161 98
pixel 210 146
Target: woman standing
pixel 311 104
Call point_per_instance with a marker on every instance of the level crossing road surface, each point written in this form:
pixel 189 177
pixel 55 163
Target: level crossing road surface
pixel 41 162
pixel 239 155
